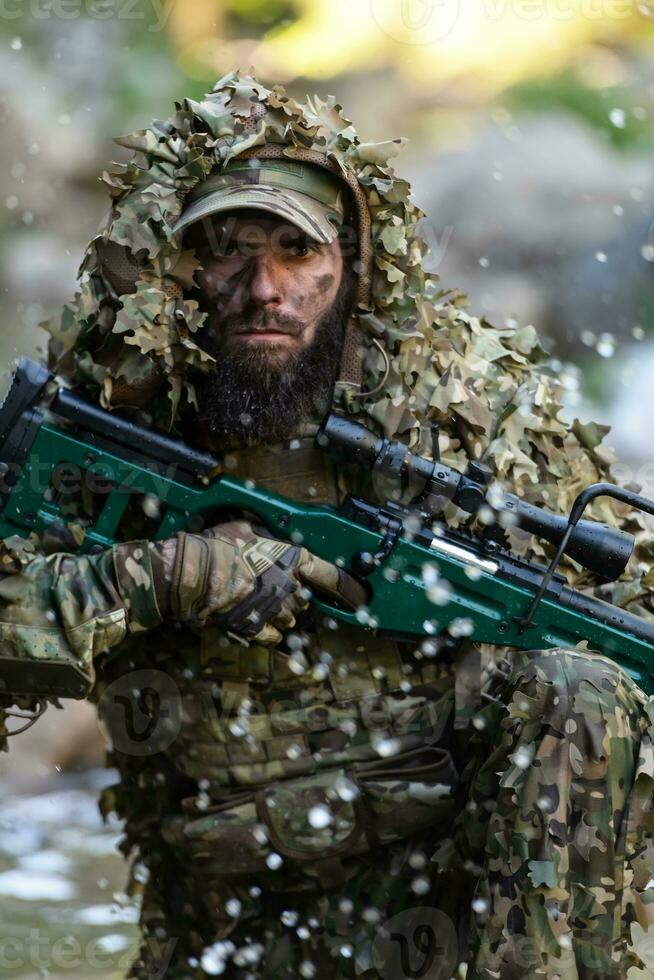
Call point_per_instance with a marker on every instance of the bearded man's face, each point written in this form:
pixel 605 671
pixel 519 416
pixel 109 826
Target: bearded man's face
pixel 277 304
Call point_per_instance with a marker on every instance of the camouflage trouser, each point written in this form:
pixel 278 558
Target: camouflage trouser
pixel 544 872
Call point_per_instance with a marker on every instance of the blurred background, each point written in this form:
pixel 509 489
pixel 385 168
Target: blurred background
pixel 531 128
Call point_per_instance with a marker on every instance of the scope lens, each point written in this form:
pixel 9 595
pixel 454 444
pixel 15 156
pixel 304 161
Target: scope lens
pixel 347 440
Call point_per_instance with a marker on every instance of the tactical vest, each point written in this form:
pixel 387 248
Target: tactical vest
pixel 315 751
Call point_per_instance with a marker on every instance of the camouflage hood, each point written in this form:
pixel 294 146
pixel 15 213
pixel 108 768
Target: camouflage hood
pixel 130 336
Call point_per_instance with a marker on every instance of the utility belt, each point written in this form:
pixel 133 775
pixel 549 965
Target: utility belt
pixel 314 824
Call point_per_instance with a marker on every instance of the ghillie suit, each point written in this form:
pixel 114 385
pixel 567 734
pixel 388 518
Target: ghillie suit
pixel 321 798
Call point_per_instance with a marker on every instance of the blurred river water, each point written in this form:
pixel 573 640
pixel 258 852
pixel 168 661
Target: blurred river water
pixel 62 911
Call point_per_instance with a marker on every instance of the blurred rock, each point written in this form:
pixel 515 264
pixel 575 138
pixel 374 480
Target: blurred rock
pixel 66 740
pixel 539 219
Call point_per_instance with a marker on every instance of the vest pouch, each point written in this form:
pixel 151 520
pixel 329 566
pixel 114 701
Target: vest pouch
pixel 407 792
pixel 303 820
pixel 309 820
pixel 222 839
pixel 318 816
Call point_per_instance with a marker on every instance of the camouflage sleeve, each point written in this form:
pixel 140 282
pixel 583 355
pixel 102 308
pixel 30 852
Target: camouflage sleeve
pixel 58 612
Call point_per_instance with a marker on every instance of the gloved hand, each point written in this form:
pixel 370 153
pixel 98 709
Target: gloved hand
pixel 245 581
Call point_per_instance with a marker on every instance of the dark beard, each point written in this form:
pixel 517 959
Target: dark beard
pixel 248 399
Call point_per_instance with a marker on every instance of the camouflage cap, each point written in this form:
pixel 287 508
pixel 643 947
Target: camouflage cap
pixel 309 197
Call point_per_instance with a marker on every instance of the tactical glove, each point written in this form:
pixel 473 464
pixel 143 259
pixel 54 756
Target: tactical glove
pixel 241 579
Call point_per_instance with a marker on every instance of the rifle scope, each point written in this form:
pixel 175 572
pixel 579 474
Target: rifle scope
pixel 599 548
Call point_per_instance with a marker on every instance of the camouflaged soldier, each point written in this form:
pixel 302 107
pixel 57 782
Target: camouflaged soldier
pixel 325 802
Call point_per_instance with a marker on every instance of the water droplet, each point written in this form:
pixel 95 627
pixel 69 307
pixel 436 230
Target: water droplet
pixel 439 594
pixel 202 801
pixel 274 861
pixel 298 663
pixel 522 756
pixel 421 885
pixel 260 833
pixel 151 507
pixel 480 905
pixel 601 257
pixel 346 789
pixel 233 907
pixel 461 626
pixel 16 43
pixel 289 917
pixel 386 747
pixel 140 873
pixel 606 345
pixel 319 816
pixel 647 252
pixel 618 118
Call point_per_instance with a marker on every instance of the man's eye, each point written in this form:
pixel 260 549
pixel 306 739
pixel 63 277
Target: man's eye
pixel 302 248
pixel 230 248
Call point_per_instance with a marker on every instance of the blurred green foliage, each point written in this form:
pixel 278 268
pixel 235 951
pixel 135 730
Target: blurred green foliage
pixel 597 107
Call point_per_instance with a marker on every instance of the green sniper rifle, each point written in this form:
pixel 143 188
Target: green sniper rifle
pixel 423 580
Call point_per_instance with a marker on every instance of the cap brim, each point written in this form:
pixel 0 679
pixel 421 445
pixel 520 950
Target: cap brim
pixel 300 209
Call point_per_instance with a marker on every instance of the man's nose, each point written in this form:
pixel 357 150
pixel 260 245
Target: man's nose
pixel 265 284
